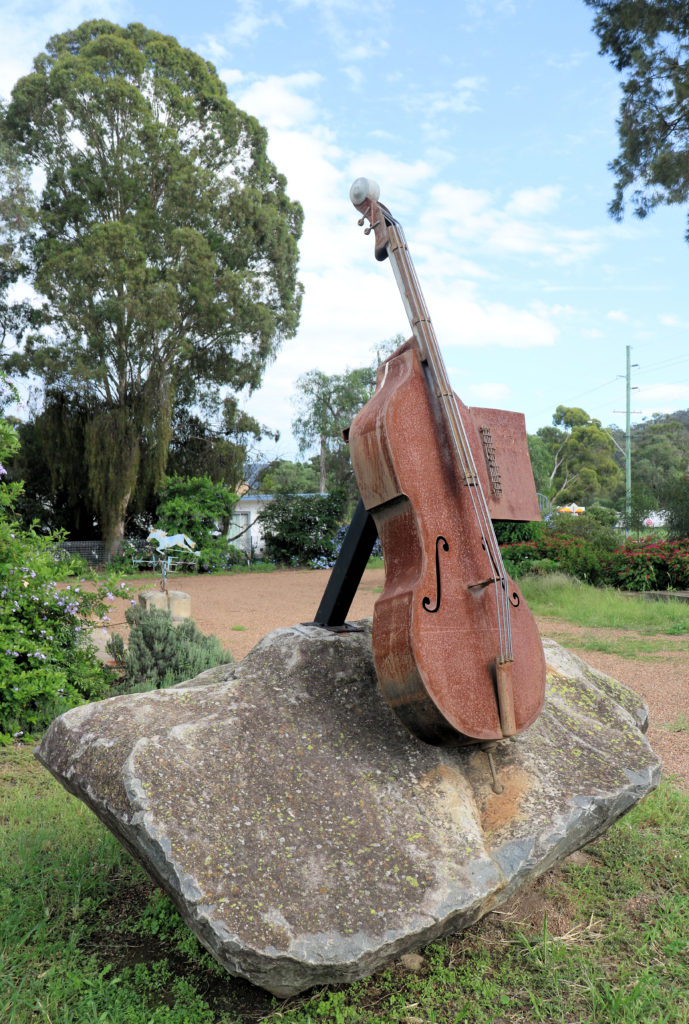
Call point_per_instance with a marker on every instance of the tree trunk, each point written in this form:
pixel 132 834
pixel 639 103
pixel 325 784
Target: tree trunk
pixel 113 543
pixel 322 483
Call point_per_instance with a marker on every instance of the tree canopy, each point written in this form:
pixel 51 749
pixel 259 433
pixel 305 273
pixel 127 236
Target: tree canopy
pixel 582 459
pixel 648 42
pixel 327 404
pixel 166 246
pixel 16 215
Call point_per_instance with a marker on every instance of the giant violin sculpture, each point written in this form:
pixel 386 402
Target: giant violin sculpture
pixel 455 646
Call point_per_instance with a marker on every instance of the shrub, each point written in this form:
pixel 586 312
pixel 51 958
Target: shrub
pixel 649 564
pixel 195 506
pixel 219 556
pixel 300 529
pixel 508 532
pixel 47 660
pixel 160 653
pixel 577 545
pixel 676 507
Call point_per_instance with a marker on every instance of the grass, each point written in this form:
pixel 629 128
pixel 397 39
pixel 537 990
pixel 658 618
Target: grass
pixel 561 597
pixel 678 724
pixel 86 937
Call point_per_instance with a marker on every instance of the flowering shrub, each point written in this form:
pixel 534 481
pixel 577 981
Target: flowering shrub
pixel 47 662
pixel 645 564
pixel 574 555
pixel 649 564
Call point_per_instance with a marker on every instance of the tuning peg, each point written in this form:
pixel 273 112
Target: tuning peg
pixel 361 221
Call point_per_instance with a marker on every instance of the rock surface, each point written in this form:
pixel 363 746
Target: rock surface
pixel 306 837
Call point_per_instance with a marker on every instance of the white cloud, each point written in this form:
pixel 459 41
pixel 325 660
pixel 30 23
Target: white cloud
pixel 526 202
pixel 492 393
pixel 24 31
pixel 460 98
pixel 242 28
pixel 670 396
pixel 521 227
pixel 278 102
pixel 670 320
pixel 618 315
pixel 356 29
pixel 231 76
pixel 570 61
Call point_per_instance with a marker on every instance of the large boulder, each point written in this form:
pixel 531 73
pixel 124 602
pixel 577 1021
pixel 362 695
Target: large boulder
pixel 306 837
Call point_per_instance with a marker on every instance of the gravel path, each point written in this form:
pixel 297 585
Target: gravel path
pixel 240 609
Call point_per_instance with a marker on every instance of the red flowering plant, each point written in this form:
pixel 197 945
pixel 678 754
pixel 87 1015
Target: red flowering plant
pixel 649 564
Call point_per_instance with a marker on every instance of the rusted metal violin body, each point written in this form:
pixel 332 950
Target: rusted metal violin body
pixel 456 649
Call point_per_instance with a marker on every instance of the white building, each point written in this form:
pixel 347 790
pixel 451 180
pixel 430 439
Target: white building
pixel 244 522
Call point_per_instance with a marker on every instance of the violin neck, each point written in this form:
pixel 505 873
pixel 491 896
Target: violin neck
pixel 422 329
pixel 412 296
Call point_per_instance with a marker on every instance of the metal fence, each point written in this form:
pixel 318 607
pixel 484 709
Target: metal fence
pixel 93 551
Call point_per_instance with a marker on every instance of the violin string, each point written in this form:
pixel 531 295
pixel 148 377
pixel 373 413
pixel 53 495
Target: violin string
pixel 430 350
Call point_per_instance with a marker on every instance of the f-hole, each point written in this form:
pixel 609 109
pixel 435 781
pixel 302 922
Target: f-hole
pixel 439 542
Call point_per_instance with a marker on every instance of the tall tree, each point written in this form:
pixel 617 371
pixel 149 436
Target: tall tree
pixel 583 464
pixel 16 217
pixel 326 405
pixel 167 248
pixel 51 464
pixel 285 477
pixel 660 457
pixel 648 42
pixel 199 448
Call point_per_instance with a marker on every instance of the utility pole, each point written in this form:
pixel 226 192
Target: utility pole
pixel 628 446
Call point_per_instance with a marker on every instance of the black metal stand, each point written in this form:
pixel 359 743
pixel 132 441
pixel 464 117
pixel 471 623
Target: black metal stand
pixel 347 571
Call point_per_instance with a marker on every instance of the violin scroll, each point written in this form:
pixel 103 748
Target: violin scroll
pixel 364 194
pixel 364 188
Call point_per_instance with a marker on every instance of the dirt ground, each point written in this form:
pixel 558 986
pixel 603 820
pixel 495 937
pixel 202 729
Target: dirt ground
pixel 240 609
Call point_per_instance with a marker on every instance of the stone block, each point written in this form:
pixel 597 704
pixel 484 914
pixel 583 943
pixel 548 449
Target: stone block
pixel 307 838
pixel 176 602
pixel 179 604
pixel 153 599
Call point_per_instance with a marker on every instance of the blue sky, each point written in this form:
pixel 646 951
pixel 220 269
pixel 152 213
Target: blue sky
pixel 489 125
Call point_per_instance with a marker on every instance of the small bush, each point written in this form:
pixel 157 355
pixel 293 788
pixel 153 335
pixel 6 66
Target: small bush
pixel 219 556
pixel 302 529
pixel 508 532
pixel 195 506
pixel 161 654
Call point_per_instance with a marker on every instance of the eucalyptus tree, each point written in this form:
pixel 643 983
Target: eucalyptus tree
pixel 647 41
pixel 16 216
pixel 582 456
pixel 326 405
pixel 166 248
